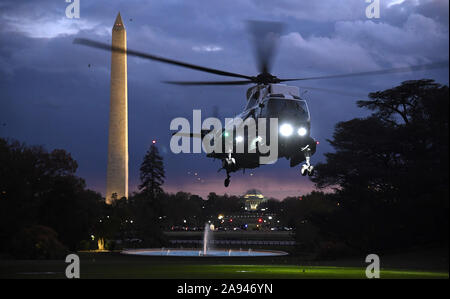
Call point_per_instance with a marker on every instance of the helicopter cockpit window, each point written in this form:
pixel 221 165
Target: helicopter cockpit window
pixel 293 106
pixel 251 102
pixel 302 105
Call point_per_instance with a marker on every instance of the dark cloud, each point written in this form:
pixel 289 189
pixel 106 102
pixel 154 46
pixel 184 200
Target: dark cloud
pixel 50 96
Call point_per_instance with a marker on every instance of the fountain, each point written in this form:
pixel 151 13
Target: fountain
pixel 206 250
pixel 206 234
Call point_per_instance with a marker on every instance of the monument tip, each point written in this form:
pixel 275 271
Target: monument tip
pixel 118 23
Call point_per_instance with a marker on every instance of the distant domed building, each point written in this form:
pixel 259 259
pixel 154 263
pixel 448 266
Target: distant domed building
pixel 253 198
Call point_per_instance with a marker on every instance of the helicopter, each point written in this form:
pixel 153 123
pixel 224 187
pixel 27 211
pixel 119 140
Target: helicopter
pixel 269 98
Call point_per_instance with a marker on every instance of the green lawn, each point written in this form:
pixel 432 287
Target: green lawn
pixel 252 271
pixel 117 266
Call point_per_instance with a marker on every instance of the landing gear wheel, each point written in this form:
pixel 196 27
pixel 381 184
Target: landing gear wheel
pixel 304 170
pixel 310 170
pixel 229 164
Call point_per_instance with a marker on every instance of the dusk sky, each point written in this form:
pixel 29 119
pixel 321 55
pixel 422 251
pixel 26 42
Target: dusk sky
pixel 50 96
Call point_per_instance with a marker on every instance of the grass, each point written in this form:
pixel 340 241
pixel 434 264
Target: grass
pixel 109 265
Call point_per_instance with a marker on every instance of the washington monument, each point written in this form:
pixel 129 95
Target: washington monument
pixel 117 171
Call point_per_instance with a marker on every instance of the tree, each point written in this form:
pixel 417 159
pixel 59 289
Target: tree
pixel 390 170
pixel 39 189
pixel 152 172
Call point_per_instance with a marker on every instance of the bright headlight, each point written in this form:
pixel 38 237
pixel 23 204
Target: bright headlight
pixel 286 130
pixel 302 131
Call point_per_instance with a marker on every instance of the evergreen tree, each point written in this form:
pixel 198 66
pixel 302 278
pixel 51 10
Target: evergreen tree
pixel 152 172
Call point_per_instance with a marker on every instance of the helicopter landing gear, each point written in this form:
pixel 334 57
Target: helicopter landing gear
pixel 228 164
pixel 307 168
pixel 226 183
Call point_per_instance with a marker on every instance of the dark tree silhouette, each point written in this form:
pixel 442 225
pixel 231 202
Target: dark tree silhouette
pixel 39 193
pixel 390 169
pixel 152 173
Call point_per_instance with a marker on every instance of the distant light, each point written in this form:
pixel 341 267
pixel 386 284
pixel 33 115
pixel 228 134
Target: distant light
pixel 317 142
pixel 226 134
pixel 184 220
pixel 270 217
pixel 260 220
pixel 154 141
pixel 220 216
pixel 231 219
pixel 239 139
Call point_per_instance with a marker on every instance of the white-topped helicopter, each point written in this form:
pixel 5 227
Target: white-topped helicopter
pixel 267 99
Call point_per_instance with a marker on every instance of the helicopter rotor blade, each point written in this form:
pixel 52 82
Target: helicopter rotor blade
pixel 406 69
pixel 266 36
pixel 107 47
pixel 209 82
pixel 337 92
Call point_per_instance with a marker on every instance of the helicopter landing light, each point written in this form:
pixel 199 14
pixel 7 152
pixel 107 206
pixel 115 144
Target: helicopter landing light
pixel 302 131
pixel 286 130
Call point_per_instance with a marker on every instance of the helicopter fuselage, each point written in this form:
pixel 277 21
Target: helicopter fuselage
pixel 271 102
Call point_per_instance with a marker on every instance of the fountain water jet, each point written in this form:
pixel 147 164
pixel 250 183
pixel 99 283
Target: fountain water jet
pixel 206 238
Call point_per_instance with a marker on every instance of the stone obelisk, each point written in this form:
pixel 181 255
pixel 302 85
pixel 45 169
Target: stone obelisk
pixel 117 171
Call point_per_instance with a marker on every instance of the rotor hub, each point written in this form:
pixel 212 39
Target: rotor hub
pixel 266 78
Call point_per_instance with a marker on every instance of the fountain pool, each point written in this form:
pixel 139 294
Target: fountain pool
pixel 205 251
pixel 199 253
